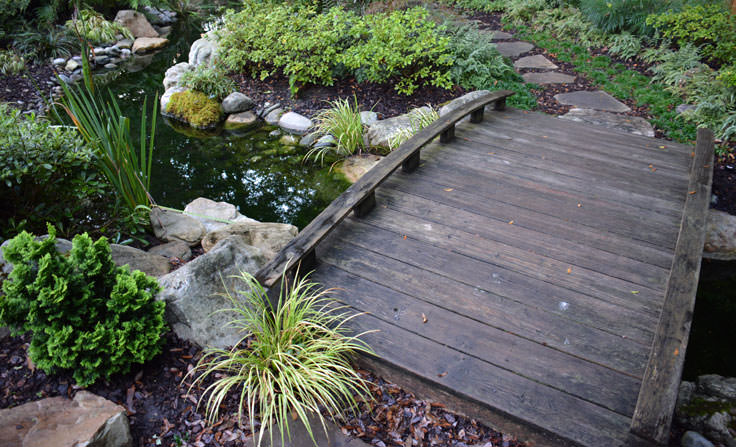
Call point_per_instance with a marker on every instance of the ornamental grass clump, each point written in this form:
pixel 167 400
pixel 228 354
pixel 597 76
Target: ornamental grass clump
pixel 85 314
pixel 291 359
pixel 342 121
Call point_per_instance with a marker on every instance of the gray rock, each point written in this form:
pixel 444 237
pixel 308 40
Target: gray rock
pixel 125 54
pixel 272 118
pixel 268 237
pixel 212 214
pixel 242 120
pixel 513 49
pixel 459 102
pixel 685 393
pixel 136 23
pixel 326 141
pixel 124 44
pixel 75 77
pixel 87 420
pixel 148 44
pixel 175 249
pixel 717 386
pixel 267 108
pixel 368 117
pixel 716 428
pixel 172 226
pixel 535 61
pixel 150 264
pixel 65 79
pixel 59 61
pixel 77 58
pixel 274 133
pixel 111 66
pixel 193 293
pixel 202 51
pixel 237 102
pixel 720 236
pixel 547 77
pixel 694 439
pixel 631 124
pixel 72 65
pixel 164 31
pixel 383 132
pixel 501 35
pixel 100 51
pixel 166 97
pixel 174 73
pixel 308 139
pixel 598 100
pixel 295 123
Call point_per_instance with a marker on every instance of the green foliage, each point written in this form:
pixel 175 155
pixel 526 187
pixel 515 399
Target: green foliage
pixel 625 45
pixel 46 173
pixel 673 66
pixel 210 80
pixel 477 5
pixel 196 108
pixel 419 119
pixel 403 46
pixel 94 28
pixel 523 10
pixel 342 121
pixel 85 314
pixel 293 359
pixel 11 64
pixel 710 27
pixel 613 16
pixel 38 46
pixel 477 63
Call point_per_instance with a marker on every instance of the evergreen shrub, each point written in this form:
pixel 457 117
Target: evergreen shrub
pixel 85 314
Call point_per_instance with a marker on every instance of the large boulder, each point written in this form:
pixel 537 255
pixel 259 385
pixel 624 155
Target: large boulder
pixel 295 123
pixel 383 132
pixel 146 44
pixel 237 102
pixel 173 75
pixel 241 120
pixel 174 249
pixel 202 51
pixel 136 23
pixel 461 101
pixel 172 226
pixel 87 420
pixel 149 263
pixel 269 237
pixel 720 236
pixel 214 215
pixel 193 293
pixel 166 97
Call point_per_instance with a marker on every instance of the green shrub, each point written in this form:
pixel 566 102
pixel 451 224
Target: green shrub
pixel 10 63
pixel 614 16
pixel 674 66
pixel 210 80
pixel 625 45
pixel 402 47
pixel 46 173
pixel 84 313
pixel 342 121
pixel 41 45
pixel 524 10
pixel 292 359
pixel 94 28
pixel 710 27
pixel 196 108
pixel 477 64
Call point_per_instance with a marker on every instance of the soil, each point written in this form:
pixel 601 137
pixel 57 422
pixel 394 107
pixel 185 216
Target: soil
pixel 162 409
pixel 23 91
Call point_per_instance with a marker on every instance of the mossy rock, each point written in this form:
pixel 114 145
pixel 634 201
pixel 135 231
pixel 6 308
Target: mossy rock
pixel 195 108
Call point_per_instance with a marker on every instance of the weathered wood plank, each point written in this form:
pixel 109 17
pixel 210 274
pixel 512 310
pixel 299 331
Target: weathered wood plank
pixel 658 394
pixel 291 255
pixel 583 309
pixel 521 319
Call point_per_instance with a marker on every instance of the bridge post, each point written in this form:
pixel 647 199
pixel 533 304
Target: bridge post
pixel 411 163
pixel 500 104
pixel 366 205
pixel 448 135
pixel 476 116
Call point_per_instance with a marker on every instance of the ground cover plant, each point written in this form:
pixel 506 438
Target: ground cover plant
pixel 86 314
pixel 293 358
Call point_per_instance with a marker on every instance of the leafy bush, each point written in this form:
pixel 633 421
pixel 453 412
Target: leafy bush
pixel 196 108
pixel 673 66
pixel 523 10
pixel 94 28
pixel 709 27
pixel 403 47
pixel 342 121
pixel 38 46
pixel 210 80
pixel 477 63
pixel 46 173
pixel 613 16
pixel 10 63
pixel 292 359
pixel 625 45
pixel 85 314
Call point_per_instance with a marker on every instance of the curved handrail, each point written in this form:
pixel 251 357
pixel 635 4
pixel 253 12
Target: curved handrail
pixel 360 196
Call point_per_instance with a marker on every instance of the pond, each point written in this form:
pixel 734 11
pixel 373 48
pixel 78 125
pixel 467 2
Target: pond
pixel 265 180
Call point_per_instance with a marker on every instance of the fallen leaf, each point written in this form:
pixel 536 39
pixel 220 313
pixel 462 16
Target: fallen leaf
pixel 511 222
pixel 167 426
pixel 442 374
pixel 580 205
pixel 677 351
pixel 404 237
pixel 424 318
pixel 635 292
pixel 662 147
pixel 569 270
pixel 129 395
pixel 691 192
pixel 449 189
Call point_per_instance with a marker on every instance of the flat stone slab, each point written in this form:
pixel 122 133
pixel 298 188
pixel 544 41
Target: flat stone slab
pixel 630 124
pixel 535 61
pixel 597 100
pixel 501 35
pixel 513 49
pixel 547 77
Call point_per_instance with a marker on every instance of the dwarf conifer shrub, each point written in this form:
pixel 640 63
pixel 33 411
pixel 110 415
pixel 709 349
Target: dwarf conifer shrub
pixel 85 314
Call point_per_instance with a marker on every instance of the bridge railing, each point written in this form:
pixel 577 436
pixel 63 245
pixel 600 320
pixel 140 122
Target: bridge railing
pixel 360 197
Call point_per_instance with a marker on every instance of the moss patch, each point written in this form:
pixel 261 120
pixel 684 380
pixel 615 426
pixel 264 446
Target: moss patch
pixel 196 108
pixel 702 407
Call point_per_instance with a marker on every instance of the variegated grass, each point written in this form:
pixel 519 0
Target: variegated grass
pixel 342 121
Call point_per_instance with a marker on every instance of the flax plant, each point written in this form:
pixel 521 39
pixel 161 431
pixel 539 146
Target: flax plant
pixel 125 163
pixel 341 120
pixel 293 359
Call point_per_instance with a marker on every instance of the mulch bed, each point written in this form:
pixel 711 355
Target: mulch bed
pixel 22 91
pixel 163 413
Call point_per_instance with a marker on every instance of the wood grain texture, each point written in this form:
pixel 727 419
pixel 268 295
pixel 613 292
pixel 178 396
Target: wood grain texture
pixel 658 394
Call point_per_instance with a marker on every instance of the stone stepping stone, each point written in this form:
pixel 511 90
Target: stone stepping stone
pixel 597 100
pixel 513 49
pixel 631 124
pixel 548 77
pixel 536 61
pixel 501 35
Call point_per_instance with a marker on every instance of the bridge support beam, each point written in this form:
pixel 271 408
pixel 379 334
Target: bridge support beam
pixel 448 135
pixel 411 163
pixel 476 116
pixel 366 205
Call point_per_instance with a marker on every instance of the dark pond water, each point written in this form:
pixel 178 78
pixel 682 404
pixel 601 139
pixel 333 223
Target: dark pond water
pixel 266 181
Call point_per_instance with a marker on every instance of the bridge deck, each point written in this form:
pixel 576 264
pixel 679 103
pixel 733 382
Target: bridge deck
pixel 523 273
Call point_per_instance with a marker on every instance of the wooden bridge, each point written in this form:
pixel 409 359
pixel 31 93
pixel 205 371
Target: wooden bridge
pixel 534 273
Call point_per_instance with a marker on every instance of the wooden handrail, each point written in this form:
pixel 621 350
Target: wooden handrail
pixel 659 386
pixel 360 197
